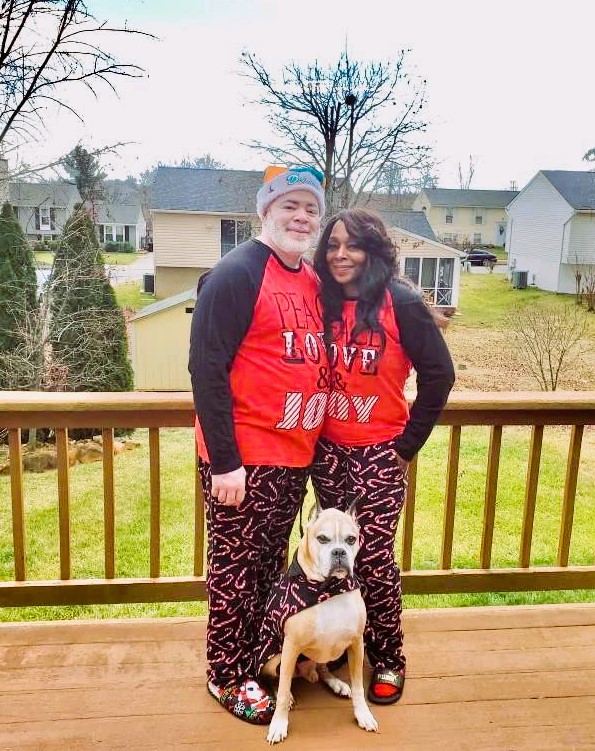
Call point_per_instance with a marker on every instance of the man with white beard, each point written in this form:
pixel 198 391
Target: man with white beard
pixel 260 381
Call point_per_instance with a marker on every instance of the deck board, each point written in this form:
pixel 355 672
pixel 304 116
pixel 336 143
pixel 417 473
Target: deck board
pixel 495 679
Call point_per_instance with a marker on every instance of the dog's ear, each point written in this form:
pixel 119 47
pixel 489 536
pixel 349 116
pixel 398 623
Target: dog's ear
pixel 316 509
pixel 352 508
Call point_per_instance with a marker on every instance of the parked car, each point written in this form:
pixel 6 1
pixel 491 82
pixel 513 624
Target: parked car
pixel 479 257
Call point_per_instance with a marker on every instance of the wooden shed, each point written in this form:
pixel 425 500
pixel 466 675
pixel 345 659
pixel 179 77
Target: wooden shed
pixel 160 337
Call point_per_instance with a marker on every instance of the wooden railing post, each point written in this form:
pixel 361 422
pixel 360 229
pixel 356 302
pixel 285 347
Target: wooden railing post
pixel 490 495
pixel 199 519
pixel 451 496
pixel 155 484
pixel 63 501
pixel 574 455
pixel 109 531
pixel 531 495
pixel 409 517
pixel 18 506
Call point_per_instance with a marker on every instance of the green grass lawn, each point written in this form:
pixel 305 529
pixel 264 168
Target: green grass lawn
pixel 132 518
pixel 119 259
pixel 486 300
pixel 44 259
pixel 130 295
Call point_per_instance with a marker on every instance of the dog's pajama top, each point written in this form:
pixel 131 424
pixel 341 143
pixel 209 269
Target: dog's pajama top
pixel 291 594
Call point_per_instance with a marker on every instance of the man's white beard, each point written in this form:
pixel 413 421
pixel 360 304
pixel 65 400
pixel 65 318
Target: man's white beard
pixel 282 239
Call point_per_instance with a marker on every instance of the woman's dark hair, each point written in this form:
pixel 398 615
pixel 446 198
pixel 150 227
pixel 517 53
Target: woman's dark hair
pixel 367 230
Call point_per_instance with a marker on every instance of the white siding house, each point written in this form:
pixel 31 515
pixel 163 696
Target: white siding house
pixel 551 229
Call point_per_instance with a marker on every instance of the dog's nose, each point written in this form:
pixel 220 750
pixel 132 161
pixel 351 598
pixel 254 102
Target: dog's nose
pixel 338 554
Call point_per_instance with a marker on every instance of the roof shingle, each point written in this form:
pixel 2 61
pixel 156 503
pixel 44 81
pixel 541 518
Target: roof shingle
pixel 486 199
pixel 213 190
pixel 578 188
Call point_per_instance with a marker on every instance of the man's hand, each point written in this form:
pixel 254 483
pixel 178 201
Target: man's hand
pixel 230 488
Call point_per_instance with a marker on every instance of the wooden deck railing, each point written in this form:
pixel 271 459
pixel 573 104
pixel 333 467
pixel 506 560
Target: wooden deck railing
pixel 20 410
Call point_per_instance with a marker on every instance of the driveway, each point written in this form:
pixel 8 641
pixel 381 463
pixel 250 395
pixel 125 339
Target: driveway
pixel 118 274
pixel 132 272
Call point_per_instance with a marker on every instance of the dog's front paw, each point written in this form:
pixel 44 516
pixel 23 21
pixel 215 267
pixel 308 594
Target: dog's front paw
pixel 337 686
pixel 365 719
pixel 278 730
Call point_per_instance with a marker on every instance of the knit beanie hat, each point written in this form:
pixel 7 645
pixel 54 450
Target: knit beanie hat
pixel 281 180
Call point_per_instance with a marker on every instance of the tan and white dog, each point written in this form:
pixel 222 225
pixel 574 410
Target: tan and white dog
pixel 324 630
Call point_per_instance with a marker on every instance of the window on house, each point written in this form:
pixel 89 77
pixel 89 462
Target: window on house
pixel 478 214
pixel 113 233
pixel 45 221
pixel 449 216
pixel 45 218
pixel 434 276
pixel 446 271
pixel 428 278
pixel 234 232
pixel 411 269
pixel 477 237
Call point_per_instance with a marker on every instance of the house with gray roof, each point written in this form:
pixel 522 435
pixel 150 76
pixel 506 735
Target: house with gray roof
pixel 118 222
pixel 198 215
pixel 552 229
pixel 42 208
pixel 466 217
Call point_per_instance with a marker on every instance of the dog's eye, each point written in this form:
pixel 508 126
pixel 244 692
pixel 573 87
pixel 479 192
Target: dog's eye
pixel 351 540
pixel 323 539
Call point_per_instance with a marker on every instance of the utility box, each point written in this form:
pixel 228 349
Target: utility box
pixel 149 283
pixel 519 279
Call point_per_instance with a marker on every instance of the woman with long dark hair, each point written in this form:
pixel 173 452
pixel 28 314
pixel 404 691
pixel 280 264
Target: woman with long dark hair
pixel 376 327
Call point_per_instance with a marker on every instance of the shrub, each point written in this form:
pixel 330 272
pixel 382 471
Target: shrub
pixel 18 298
pixel 87 328
pixel 114 247
pixel 46 245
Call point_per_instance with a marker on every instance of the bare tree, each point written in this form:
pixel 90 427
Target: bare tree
pixel 465 178
pixel 584 282
pixel 350 120
pixel 46 45
pixel 588 287
pixel 396 181
pixel 550 339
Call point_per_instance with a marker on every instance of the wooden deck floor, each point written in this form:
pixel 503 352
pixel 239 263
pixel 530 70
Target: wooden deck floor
pixel 478 679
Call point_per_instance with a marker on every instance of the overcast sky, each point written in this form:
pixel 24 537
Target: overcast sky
pixel 510 83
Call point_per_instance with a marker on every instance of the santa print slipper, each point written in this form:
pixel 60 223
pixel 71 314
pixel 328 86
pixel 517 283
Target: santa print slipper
pixel 247 701
pixel 386 686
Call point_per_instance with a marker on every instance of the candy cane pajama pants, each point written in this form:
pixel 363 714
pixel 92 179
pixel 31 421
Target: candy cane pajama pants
pixel 246 551
pixel 341 474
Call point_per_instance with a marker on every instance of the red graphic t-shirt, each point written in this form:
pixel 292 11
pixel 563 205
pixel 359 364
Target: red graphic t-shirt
pixel 367 404
pixel 278 374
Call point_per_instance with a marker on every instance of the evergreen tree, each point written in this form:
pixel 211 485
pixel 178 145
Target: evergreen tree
pixel 18 296
pixel 87 327
pixel 85 171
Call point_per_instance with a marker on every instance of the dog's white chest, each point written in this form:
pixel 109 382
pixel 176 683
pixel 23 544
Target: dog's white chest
pixel 337 623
